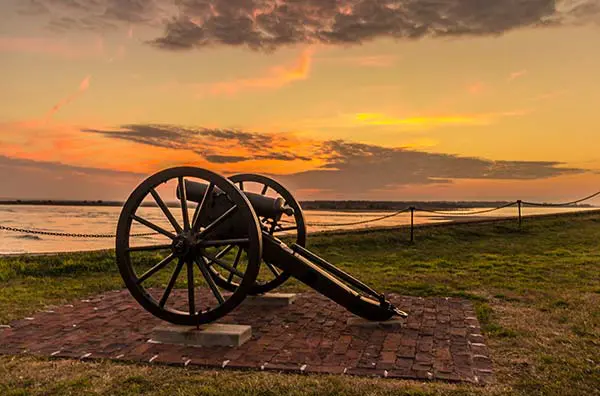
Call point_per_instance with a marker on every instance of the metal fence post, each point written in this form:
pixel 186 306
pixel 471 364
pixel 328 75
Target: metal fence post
pixel 519 202
pixel 412 223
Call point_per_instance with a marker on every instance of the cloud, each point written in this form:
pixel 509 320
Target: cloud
pixel 276 77
pixel 477 88
pixel 267 25
pixel 336 165
pixel 517 74
pixel 419 121
pixel 23 178
pixel 224 159
pixel 83 86
pixel 219 146
pixel 95 15
pixel 270 24
pixel 358 168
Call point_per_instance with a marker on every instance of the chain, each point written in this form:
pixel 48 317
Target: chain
pixel 68 234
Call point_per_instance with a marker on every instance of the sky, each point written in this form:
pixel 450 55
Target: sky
pixel 337 99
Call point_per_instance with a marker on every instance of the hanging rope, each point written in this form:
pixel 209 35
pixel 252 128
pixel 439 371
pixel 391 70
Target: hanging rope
pixel 563 204
pixel 358 222
pixel 469 213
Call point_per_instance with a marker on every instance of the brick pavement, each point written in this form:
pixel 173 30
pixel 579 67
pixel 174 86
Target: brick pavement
pixel 441 339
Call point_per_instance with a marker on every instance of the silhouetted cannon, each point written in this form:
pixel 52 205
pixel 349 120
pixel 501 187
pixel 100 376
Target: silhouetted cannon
pixel 231 235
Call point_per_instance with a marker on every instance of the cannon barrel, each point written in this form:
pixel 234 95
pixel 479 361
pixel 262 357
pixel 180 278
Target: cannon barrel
pixel 265 206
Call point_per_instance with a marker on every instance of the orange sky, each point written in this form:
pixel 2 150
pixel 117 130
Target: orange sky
pixel 340 100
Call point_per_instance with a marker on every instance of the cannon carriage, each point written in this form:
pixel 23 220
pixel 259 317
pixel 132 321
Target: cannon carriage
pixel 238 236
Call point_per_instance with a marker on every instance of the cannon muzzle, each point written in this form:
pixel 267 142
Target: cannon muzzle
pixel 264 206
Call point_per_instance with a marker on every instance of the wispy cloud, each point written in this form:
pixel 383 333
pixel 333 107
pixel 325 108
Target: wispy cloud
pixel 219 146
pixel 417 121
pixel 516 74
pixel 83 86
pixel 378 119
pixel 477 88
pixel 276 77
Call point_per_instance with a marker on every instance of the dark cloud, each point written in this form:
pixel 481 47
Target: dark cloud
pixel 349 167
pixel 270 24
pixel 95 14
pixel 29 179
pixel 167 136
pixel 281 156
pixel 206 142
pixel 355 168
pixel 224 159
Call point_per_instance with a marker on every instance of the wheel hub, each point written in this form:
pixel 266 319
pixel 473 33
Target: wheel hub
pixel 183 244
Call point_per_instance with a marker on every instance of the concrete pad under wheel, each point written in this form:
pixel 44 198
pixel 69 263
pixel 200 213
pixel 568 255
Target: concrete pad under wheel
pixel 270 300
pixel 213 334
pixel 361 322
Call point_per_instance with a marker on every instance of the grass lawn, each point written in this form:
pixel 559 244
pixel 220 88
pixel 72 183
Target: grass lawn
pixel 536 290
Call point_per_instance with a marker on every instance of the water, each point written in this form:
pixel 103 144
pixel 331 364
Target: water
pixel 103 220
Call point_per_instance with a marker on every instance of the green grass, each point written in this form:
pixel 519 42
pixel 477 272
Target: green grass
pixel 536 292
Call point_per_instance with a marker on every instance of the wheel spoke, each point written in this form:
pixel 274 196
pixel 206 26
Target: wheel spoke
pixel 273 269
pixel 153 226
pixel 223 242
pixel 165 210
pixel 218 221
pixel 210 280
pixel 198 211
pixel 224 251
pixel 222 264
pixel 190 285
pixel 163 263
pixel 235 263
pixel 184 206
pixel 148 248
pixel 264 190
pixel 165 296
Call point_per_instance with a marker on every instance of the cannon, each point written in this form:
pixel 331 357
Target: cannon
pixel 237 236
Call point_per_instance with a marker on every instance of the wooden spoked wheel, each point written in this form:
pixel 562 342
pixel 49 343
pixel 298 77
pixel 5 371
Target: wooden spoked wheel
pixel 187 234
pixel 291 228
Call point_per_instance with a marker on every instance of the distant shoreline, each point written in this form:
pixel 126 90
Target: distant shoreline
pixel 306 205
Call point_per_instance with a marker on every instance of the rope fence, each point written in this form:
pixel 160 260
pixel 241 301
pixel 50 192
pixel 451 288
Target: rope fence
pixel 412 209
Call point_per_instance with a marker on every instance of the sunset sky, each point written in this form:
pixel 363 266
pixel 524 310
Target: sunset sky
pixel 339 99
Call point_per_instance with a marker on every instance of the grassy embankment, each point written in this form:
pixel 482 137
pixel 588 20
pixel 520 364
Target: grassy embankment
pixel 537 293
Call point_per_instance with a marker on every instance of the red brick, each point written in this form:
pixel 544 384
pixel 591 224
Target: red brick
pixel 313 331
